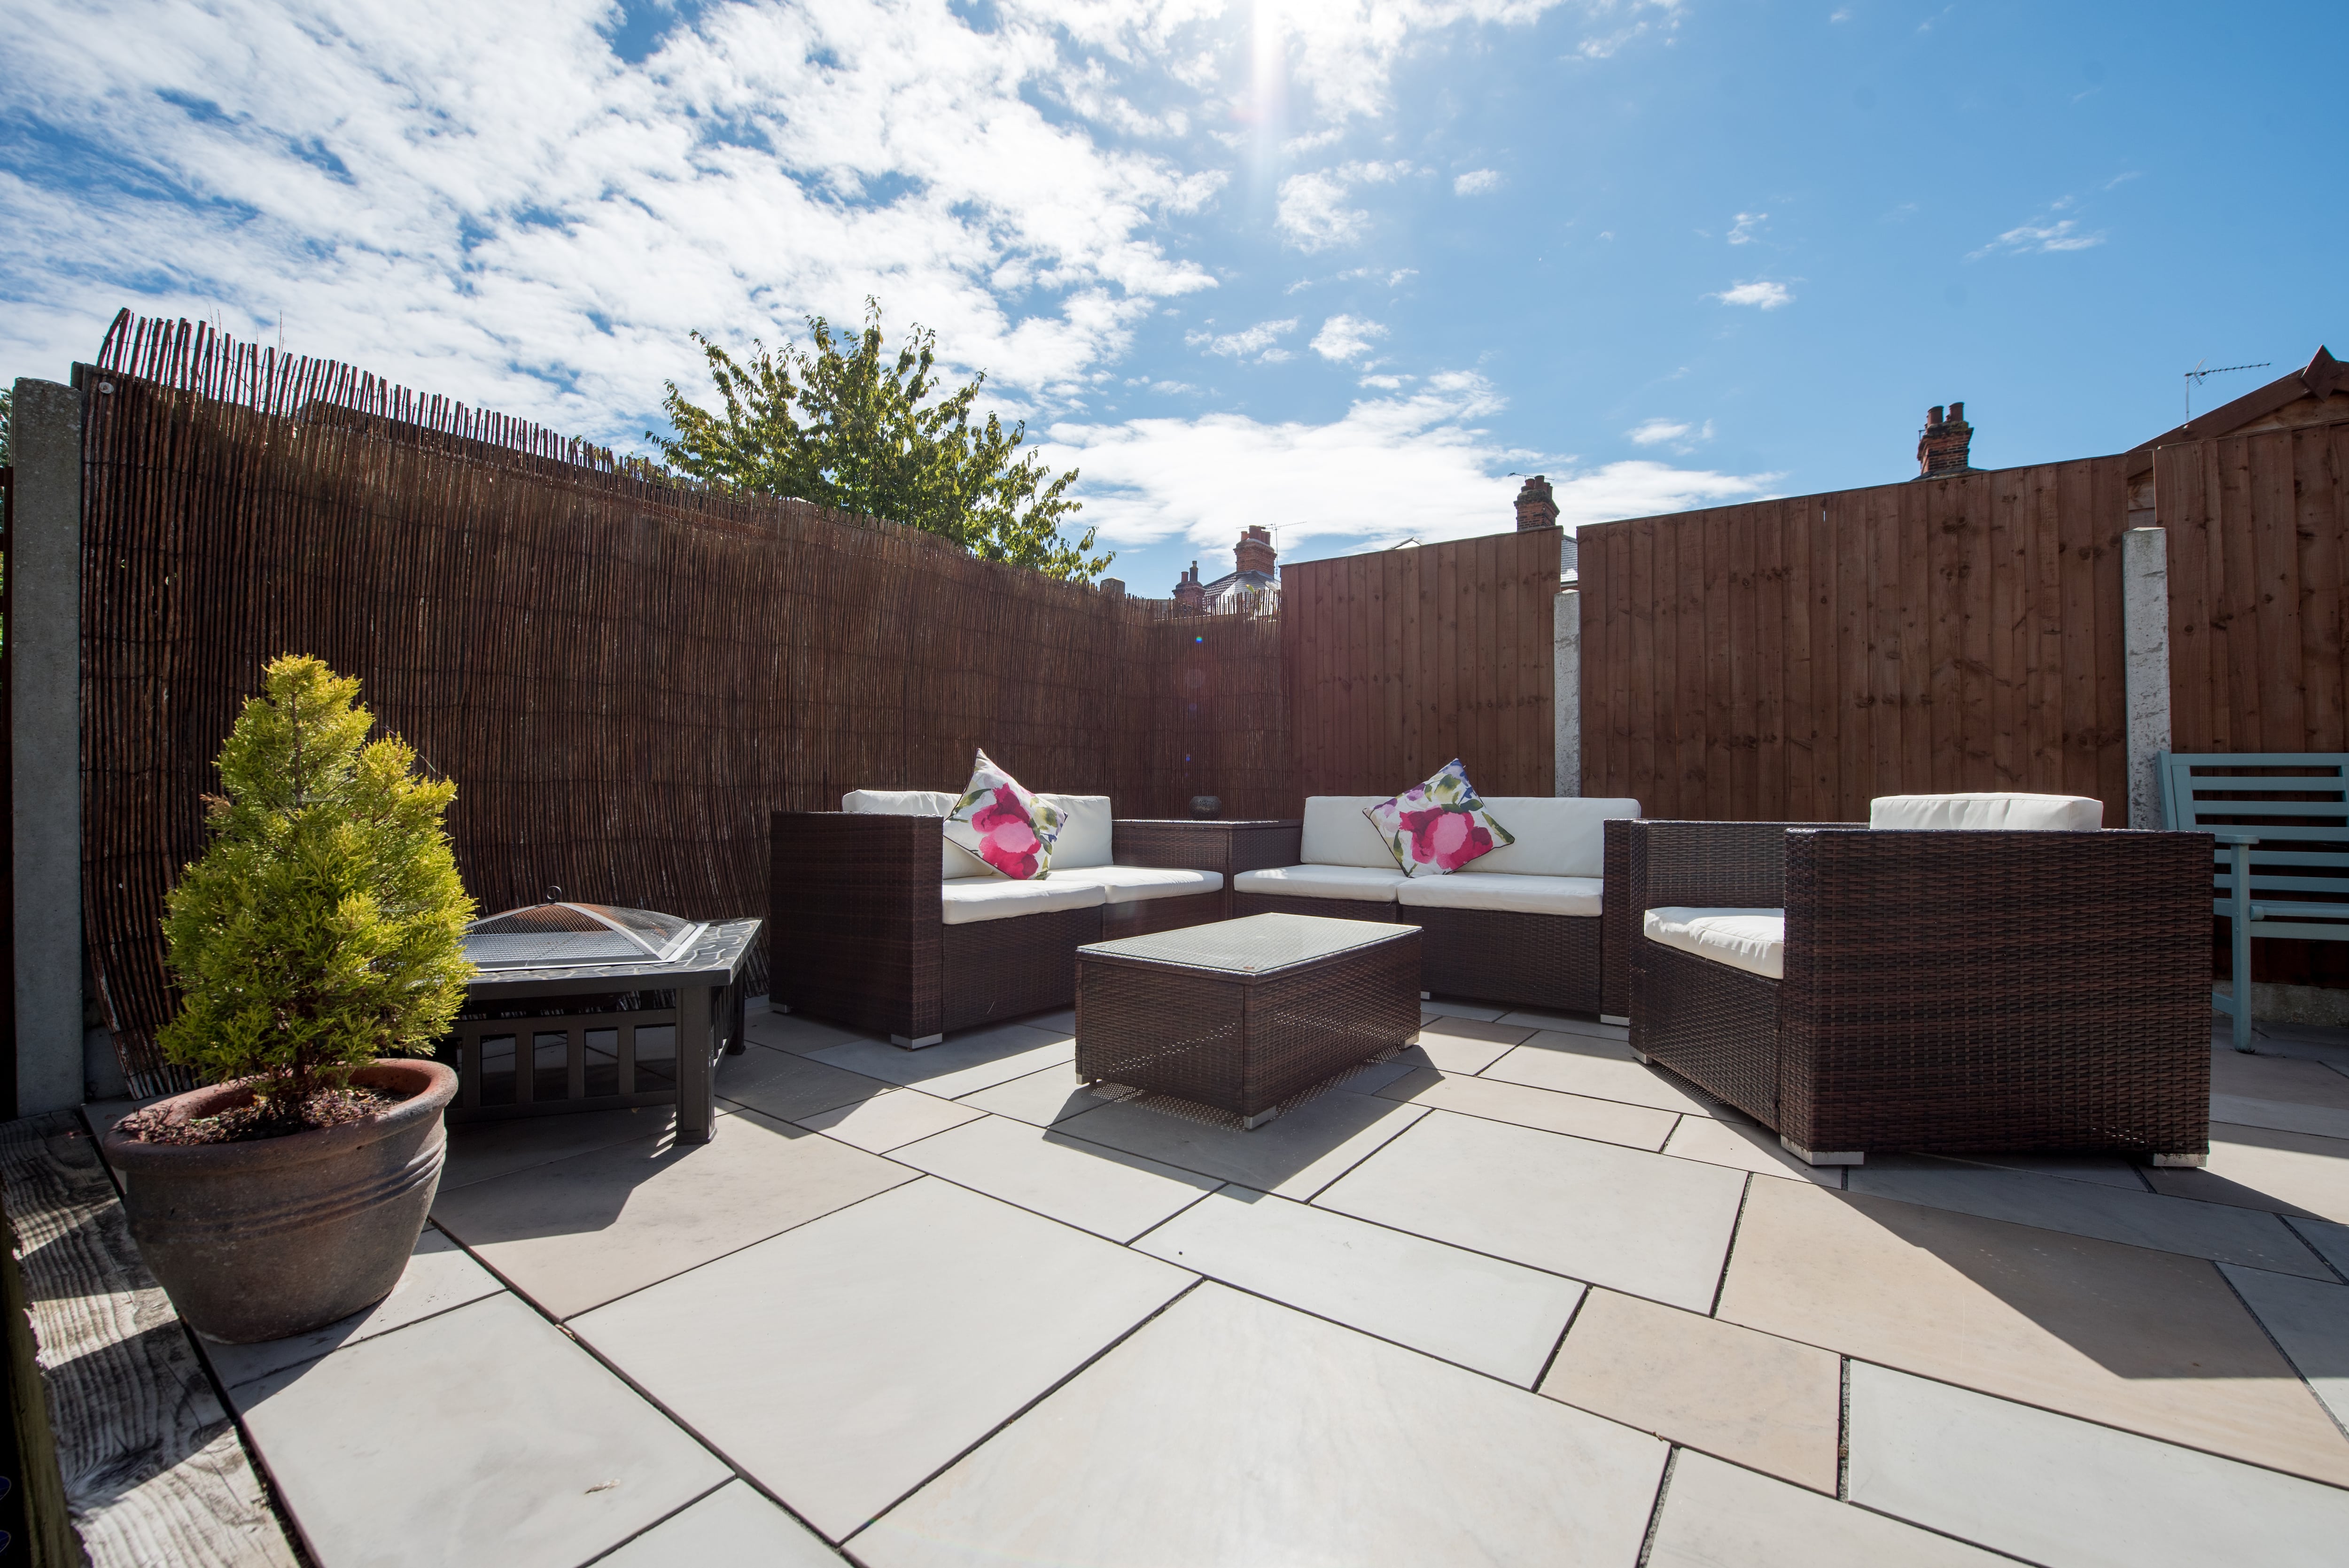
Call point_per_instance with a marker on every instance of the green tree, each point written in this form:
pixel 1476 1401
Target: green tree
pixel 7 426
pixel 324 925
pixel 846 426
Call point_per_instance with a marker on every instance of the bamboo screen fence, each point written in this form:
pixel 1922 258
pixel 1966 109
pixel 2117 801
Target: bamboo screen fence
pixel 624 678
pixel 1403 659
pixel 1792 659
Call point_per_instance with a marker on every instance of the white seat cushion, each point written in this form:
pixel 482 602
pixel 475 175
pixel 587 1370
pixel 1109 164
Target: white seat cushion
pixel 1365 884
pixel 1338 834
pixel 964 901
pixel 1125 884
pixel 1754 940
pixel 1500 890
pixel 2006 813
pixel 1084 838
pixel 1560 836
pixel 953 861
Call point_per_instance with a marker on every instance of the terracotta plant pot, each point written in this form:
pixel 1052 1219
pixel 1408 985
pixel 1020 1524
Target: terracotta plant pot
pixel 281 1235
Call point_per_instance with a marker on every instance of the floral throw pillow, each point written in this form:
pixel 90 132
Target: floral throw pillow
pixel 1003 824
pixel 1436 828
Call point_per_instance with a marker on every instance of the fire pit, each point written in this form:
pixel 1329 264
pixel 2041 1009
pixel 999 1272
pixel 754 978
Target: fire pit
pixel 588 1006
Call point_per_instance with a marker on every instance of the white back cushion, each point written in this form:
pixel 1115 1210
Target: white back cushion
pixel 2006 813
pixel 1556 836
pixel 1338 834
pixel 953 861
pixel 1084 830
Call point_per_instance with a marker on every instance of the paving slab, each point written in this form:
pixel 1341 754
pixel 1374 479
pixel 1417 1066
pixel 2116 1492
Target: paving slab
pixel 840 1364
pixel 1558 1061
pixel 2265 1168
pixel 1105 1191
pixel 888 1121
pixel 1234 1430
pixel 481 1436
pixel 1569 1024
pixel 1041 1098
pixel 1766 1403
pixel 2141 1219
pixel 1726 1139
pixel 1468 1045
pixel 1295 1155
pixel 2151 1341
pixel 797 1034
pixel 733 1527
pixel 580 1232
pixel 2104 1170
pixel 2286 1115
pixel 1442 1008
pixel 1061 1020
pixel 1491 1316
pixel 2310 1320
pixel 1635 1222
pixel 440 1276
pixel 1717 1515
pixel 791 1088
pixel 958 1067
pixel 479 1151
pixel 1608 1121
pixel 2289 1080
pixel 2329 1240
pixel 2071 1493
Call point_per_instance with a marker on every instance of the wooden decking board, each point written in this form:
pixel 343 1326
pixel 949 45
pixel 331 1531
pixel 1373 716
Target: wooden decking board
pixel 152 1469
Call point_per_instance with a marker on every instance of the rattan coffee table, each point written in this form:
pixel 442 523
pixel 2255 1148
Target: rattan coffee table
pixel 1244 1016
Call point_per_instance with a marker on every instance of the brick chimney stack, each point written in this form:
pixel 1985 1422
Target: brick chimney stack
pixel 1535 509
pixel 1255 553
pixel 1190 593
pixel 1943 448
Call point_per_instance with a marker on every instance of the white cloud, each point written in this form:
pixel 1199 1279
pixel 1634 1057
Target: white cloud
pixel 1767 295
pixel 1408 464
pixel 1476 182
pixel 1680 435
pixel 1344 337
pixel 2042 238
pixel 1385 383
pixel 1741 231
pixel 1313 214
pixel 1253 340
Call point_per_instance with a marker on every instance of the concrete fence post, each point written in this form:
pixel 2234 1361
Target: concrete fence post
pixel 44 635
pixel 2145 643
pixel 1566 651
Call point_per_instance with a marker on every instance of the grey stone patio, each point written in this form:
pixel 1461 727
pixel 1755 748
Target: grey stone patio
pixel 1512 1298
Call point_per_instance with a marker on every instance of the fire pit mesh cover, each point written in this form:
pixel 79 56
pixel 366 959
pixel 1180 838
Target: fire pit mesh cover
pixel 563 935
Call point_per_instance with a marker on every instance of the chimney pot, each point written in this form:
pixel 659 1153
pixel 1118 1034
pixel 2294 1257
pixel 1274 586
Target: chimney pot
pixel 1946 446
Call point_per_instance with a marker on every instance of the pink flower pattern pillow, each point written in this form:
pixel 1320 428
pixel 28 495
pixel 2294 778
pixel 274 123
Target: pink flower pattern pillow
pixel 1438 826
pixel 1003 824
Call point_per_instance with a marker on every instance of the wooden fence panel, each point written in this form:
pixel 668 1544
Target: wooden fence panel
pixel 1400 660
pixel 1799 657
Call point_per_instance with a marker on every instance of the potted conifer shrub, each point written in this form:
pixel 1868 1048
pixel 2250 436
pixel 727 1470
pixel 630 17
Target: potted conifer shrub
pixel 317 941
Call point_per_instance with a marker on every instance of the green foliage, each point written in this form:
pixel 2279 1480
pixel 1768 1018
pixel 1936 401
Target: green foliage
pixel 7 426
pixel 847 427
pixel 324 925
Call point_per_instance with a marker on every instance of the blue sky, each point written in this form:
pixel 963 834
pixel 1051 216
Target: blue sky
pixel 1337 267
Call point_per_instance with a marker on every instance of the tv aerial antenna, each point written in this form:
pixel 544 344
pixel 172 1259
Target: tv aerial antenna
pixel 2195 377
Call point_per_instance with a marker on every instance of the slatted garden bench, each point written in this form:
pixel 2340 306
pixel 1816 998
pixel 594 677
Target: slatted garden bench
pixel 2282 865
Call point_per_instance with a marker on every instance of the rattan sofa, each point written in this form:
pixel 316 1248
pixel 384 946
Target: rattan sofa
pixel 1930 990
pixel 879 922
pixel 1521 926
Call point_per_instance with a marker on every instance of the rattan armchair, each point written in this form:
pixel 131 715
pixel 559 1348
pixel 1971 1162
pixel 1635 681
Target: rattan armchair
pixel 1942 991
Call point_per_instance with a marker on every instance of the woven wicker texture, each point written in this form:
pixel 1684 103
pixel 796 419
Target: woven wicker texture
pixel 1499 956
pixel 1249 949
pixel 1247 903
pixel 1142 916
pixel 1245 1043
pixel 1943 991
pixel 1619 916
pixel 622 676
pixel 1008 968
pixel 1220 845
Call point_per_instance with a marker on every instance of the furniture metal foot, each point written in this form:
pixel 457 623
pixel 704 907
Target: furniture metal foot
pixel 2180 1162
pixel 1250 1123
pixel 1819 1156
pixel 916 1045
pixel 1617 1019
pixel 1642 1058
